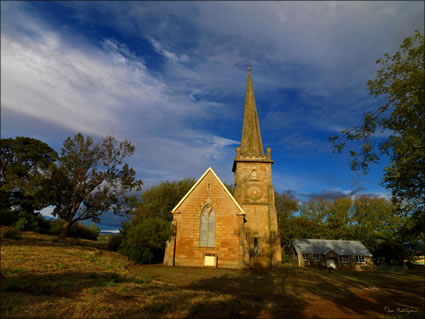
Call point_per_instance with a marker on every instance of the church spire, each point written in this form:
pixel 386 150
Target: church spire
pixel 251 144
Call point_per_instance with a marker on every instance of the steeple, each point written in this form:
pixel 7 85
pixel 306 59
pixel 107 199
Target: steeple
pixel 251 144
pixel 254 189
pixel 251 149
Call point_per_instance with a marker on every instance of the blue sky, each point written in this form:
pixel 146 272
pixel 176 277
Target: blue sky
pixel 170 77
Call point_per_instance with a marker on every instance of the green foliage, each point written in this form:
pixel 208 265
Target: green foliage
pixel 401 80
pixel 24 166
pixel 12 233
pixel 36 223
pixel 7 216
pixel 286 207
pixel 159 200
pixel 115 241
pixel 339 222
pixel 24 221
pixel 21 223
pixel 92 178
pixel 374 221
pixel 390 252
pixel 145 241
pixel 77 230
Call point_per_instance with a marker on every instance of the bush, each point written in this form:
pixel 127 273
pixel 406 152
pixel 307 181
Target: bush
pixel 43 225
pixel 21 223
pixel 145 242
pixel 24 221
pixel 77 230
pixel 56 226
pixel 12 233
pixel 84 232
pixel 7 217
pixel 115 241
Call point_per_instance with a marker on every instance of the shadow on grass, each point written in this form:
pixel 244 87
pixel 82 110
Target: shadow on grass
pixel 360 293
pixel 249 294
pixel 288 292
pixel 64 284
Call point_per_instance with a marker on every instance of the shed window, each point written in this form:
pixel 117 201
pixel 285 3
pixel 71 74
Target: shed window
pixel 316 257
pixel 305 257
pixel 344 258
pixel 207 233
pixel 360 259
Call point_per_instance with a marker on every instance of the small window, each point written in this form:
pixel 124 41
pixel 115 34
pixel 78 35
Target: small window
pixel 255 246
pixel 316 257
pixel 359 259
pixel 305 257
pixel 344 258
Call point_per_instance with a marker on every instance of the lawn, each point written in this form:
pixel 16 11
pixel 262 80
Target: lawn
pixel 43 278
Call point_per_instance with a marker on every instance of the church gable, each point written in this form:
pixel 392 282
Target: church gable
pixel 209 223
pixel 209 185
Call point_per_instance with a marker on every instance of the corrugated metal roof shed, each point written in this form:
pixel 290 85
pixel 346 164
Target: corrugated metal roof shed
pixel 322 246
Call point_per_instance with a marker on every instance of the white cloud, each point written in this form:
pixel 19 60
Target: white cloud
pixel 333 40
pixel 324 50
pixel 104 88
pixel 47 212
pixel 168 54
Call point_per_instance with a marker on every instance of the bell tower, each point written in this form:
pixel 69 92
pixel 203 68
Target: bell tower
pixel 254 189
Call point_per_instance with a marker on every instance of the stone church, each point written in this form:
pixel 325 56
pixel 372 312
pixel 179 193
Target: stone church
pixel 214 228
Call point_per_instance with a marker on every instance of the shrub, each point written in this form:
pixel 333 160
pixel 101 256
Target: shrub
pixel 24 220
pixel 21 223
pixel 77 230
pixel 115 241
pixel 84 232
pixel 103 238
pixel 12 233
pixel 145 241
pixel 56 226
pixel 7 217
pixel 43 225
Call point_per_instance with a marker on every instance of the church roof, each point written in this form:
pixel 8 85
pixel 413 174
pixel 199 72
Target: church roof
pixel 251 144
pixel 174 210
pixel 322 246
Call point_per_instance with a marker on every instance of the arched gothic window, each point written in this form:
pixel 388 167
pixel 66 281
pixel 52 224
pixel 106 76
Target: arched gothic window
pixel 255 246
pixel 207 235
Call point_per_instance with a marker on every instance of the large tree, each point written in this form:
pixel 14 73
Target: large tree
pixel 338 221
pixel 401 83
pixel 92 178
pixel 286 206
pixel 159 200
pixel 25 165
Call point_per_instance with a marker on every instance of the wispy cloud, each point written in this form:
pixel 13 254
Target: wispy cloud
pixel 100 89
pixel 310 63
pixel 168 54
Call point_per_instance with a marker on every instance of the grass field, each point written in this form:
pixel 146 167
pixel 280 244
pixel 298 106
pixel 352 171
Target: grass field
pixel 42 278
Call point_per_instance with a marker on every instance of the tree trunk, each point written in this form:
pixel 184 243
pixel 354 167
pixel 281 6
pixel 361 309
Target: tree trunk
pixel 65 229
